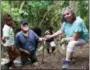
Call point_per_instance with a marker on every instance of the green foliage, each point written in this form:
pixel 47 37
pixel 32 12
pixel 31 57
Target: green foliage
pixel 42 12
pixel 36 10
pixel 83 11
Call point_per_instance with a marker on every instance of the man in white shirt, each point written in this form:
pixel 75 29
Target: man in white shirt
pixel 8 39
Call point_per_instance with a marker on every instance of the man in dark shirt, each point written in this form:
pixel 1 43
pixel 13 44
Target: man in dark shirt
pixel 26 42
pixel 37 30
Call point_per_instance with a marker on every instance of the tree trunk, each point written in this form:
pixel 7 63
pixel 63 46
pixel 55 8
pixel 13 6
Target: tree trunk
pixel 21 6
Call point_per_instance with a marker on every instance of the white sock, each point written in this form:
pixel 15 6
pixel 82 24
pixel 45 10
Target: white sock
pixel 68 59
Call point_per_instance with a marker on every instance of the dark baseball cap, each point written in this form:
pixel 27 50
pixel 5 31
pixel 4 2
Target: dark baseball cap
pixel 24 22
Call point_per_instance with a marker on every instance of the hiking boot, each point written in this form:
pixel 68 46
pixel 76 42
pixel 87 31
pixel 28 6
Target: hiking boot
pixel 33 59
pixel 66 65
pixel 25 63
pixel 5 67
pixel 10 63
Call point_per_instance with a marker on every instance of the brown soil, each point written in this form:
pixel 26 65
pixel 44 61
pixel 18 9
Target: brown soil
pixel 54 61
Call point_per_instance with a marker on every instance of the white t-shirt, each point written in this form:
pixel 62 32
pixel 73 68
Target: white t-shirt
pixel 9 34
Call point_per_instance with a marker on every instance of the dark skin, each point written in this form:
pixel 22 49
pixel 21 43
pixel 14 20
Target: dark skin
pixel 8 21
pixel 25 51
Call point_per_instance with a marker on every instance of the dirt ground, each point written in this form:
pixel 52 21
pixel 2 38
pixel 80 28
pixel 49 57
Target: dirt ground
pixel 54 61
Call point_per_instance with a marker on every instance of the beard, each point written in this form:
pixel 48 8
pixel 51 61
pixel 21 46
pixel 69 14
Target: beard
pixel 25 29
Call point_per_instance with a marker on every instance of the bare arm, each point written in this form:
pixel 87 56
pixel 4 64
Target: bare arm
pixel 75 36
pixel 41 39
pixel 25 51
pixel 59 32
pixel 3 39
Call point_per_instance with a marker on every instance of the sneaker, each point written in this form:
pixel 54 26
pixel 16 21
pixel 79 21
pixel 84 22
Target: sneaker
pixel 36 63
pixel 66 65
pixel 33 60
pixel 65 58
pixel 10 63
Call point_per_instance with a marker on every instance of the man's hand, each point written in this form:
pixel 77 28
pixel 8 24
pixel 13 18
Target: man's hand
pixel 3 39
pixel 42 39
pixel 26 52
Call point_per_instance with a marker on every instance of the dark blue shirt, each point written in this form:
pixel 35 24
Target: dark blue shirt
pixel 37 31
pixel 27 43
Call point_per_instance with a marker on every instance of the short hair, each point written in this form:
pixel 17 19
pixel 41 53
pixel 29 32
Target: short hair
pixel 6 15
pixel 71 11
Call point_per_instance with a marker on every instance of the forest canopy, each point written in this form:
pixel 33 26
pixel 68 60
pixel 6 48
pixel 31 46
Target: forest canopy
pixel 43 12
